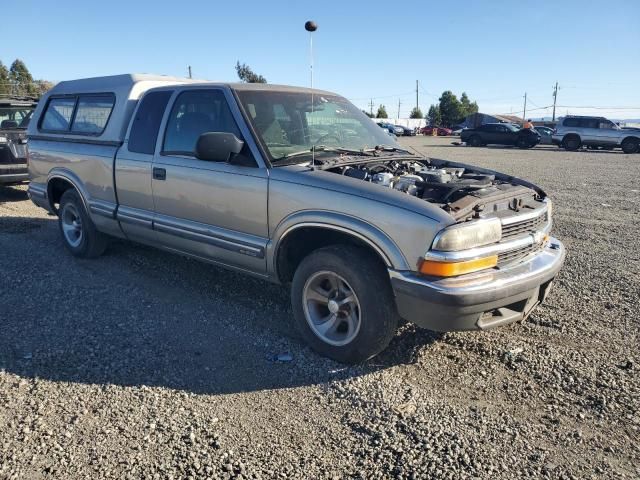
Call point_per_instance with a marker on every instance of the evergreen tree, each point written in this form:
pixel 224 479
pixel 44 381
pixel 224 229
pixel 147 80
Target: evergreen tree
pixel 5 87
pixel 247 75
pixel 382 112
pixel 450 109
pixel 434 116
pixel 416 113
pixel 21 78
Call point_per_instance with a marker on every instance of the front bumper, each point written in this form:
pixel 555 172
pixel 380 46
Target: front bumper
pixel 478 301
pixel 13 173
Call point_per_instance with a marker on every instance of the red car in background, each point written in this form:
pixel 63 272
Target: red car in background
pixel 442 131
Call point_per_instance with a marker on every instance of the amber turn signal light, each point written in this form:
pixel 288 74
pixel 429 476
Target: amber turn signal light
pixel 451 269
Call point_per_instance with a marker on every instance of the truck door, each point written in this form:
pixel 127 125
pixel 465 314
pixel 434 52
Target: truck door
pixel 133 168
pixel 213 210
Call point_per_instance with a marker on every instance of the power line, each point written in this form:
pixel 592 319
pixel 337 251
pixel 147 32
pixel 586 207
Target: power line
pixel 383 96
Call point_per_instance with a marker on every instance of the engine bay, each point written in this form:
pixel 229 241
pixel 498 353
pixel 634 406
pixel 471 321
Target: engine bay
pixel 460 190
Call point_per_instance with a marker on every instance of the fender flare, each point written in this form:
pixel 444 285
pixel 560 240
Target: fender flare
pixel 379 241
pixel 74 180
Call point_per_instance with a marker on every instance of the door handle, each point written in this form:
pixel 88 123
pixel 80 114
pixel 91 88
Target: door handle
pixel 159 173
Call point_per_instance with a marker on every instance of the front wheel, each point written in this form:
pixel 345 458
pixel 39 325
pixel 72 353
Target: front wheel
pixel 343 303
pixel 78 231
pixel 522 142
pixel 630 145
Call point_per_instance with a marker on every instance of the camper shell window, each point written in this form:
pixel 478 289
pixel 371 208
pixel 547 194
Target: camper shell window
pixel 86 114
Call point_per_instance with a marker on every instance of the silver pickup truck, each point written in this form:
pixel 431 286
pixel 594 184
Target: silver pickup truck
pixel 299 187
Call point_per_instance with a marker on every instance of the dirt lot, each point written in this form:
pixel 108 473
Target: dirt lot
pixel 145 365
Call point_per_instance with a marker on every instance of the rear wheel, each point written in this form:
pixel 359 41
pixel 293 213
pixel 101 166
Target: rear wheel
pixel 630 145
pixel 78 231
pixel 475 141
pixel 571 143
pixel 343 303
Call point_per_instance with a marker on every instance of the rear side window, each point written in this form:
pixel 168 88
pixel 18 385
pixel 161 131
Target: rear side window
pixel 58 115
pixel 80 114
pixel 571 122
pixel 589 123
pixel 144 130
pixel 92 114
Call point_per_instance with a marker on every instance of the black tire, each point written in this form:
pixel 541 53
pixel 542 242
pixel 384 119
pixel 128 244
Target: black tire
pixel 571 143
pixel 522 142
pixel 475 141
pixel 630 145
pixel 88 243
pixel 369 281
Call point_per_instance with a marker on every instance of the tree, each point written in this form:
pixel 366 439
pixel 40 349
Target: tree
pixel 416 113
pixel 382 112
pixel 21 78
pixel 247 75
pixel 5 87
pixel 42 86
pixel 450 108
pixel 367 114
pixel 467 106
pixel 434 116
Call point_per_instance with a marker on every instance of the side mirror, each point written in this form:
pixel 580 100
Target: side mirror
pixel 218 146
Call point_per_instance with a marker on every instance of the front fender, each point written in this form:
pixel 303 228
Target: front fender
pixel 370 234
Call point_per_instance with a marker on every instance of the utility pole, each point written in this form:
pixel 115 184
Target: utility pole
pixel 417 94
pixel 398 108
pixel 555 97
pixel 524 112
pixel 189 71
pixel 371 106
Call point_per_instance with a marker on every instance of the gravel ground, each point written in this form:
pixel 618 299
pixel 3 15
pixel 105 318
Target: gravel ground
pixel 142 364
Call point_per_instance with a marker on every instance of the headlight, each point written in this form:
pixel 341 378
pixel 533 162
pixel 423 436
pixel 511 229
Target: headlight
pixel 3 139
pixel 468 235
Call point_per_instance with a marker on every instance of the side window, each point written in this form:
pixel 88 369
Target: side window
pixel 196 112
pixel 92 114
pixel 570 122
pixel 589 123
pixel 606 125
pixel 57 116
pixel 144 130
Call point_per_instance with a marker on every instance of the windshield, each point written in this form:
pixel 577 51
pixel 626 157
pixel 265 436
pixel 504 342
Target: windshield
pixel 15 117
pixel 511 127
pixel 287 123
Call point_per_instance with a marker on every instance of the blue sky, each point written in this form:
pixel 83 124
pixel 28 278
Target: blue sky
pixel 494 50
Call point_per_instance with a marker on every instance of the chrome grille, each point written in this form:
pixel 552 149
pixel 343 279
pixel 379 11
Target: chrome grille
pixel 516 254
pixel 530 225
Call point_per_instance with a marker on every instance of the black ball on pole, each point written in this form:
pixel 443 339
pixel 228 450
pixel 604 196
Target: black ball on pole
pixel 310 26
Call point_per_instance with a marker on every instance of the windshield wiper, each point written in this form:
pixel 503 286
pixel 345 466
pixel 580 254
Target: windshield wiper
pixel 387 148
pixel 325 149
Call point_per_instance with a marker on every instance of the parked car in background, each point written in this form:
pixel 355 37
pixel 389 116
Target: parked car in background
pixel 406 131
pixel 392 129
pixel 546 134
pixel 500 134
pixel 15 114
pixel 297 187
pixel 441 131
pixel 573 132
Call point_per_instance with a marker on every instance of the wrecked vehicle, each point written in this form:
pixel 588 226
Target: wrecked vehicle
pixel 299 187
pixel 15 114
